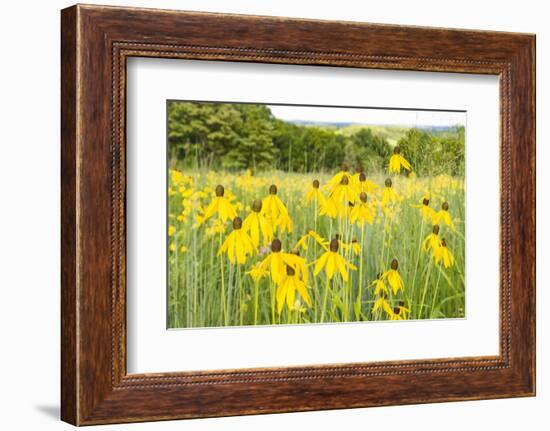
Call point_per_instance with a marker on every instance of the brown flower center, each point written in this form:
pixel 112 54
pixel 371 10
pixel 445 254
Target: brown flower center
pixel 396 150
pixel 435 229
pixel 315 184
pixel 362 177
pixel 443 243
pixel 445 206
pixel 426 201
pixel 388 182
pixel 273 189
pixel 276 245
pixel 334 245
pixel 345 180
pixel 363 197
pixel 394 264
pixel 257 205
pixel 290 270
pixel 220 190
pixel 237 223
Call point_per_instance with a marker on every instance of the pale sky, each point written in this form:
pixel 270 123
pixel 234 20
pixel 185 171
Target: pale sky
pixel 368 116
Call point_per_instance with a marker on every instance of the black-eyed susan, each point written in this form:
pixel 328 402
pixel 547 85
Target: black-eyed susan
pixel 333 262
pixel 352 246
pixel 388 195
pixel 311 234
pixel 238 245
pixel 343 192
pixel 427 212
pixel 355 247
pixel 443 216
pixel 445 255
pixel 220 205
pixel 301 265
pixel 399 312
pixel 382 303
pixel 379 285
pixel 287 288
pixel 277 259
pixel 362 184
pixel 432 242
pixel 314 194
pixel 330 208
pixel 397 161
pixel 393 277
pixel 256 223
pixel 337 178
pixel 275 210
pixel 257 272
pixel 362 212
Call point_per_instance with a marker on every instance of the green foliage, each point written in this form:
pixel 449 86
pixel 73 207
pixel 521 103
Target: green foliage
pixel 434 155
pixel 247 136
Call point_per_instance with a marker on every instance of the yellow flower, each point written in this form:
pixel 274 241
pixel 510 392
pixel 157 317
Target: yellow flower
pixel 238 245
pixel 277 259
pixel 443 215
pixel 256 222
pixel 397 161
pixel 388 195
pixel 336 179
pixel 275 210
pixel 257 272
pixel 399 312
pixel 355 247
pixel 287 288
pixel 393 277
pixel 432 241
pixel 444 254
pixel 217 227
pixel 379 285
pixel 427 212
pixel 172 247
pixel 330 208
pixel 362 184
pixel 343 192
pixel 362 212
pixel 302 242
pixel 171 230
pixel 333 262
pixel 314 194
pixel 382 303
pixel 221 205
pixel 183 249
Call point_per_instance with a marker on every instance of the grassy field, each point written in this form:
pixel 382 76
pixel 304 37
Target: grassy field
pixel 350 267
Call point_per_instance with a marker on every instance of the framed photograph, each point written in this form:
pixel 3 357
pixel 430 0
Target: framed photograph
pixel 266 215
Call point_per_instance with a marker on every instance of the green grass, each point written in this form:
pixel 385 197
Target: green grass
pixel 206 290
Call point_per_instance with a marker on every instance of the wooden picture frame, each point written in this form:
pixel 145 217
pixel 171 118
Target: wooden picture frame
pixel 95 43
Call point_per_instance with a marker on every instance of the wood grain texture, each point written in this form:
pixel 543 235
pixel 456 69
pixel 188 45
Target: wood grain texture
pixel 96 41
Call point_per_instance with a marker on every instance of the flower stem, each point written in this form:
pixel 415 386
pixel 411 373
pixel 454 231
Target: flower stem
pixel 327 286
pixel 360 284
pixel 223 305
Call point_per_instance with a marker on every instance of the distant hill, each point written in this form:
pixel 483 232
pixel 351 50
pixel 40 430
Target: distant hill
pixel 392 133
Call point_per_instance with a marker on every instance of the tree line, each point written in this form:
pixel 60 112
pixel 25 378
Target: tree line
pixel 247 136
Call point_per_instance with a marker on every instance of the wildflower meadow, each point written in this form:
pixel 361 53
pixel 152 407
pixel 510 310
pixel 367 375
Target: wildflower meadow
pixel 371 231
